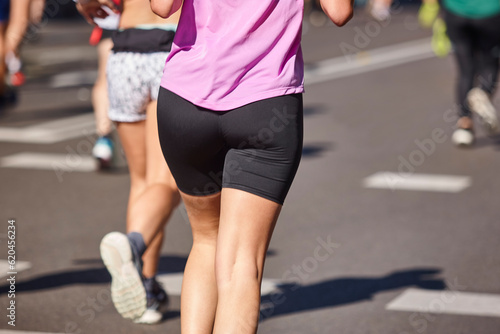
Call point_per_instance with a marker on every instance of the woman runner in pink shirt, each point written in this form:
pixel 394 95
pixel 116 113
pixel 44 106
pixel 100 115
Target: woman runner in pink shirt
pixel 230 126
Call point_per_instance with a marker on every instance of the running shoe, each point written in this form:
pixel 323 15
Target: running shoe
pixel 428 13
pixel 379 11
pixel 103 152
pixel 14 65
pixel 463 136
pixel 8 99
pixel 125 267
pixel 157 303
pixel 480 103
pixel 440 42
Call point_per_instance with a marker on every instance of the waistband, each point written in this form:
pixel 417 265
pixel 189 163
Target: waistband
pixel 143 40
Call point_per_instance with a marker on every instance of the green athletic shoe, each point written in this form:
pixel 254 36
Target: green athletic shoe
pixel 427 14
pixel 441 44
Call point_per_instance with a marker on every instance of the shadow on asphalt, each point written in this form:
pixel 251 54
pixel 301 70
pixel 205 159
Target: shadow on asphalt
pixel 168 264
pixel 316 109
pixel 294 298
pixel 316 150
pixel 487 142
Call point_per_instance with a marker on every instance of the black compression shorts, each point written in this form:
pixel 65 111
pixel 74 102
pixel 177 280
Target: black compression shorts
pixel 255 148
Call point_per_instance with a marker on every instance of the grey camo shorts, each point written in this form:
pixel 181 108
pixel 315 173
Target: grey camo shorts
pixel 133 82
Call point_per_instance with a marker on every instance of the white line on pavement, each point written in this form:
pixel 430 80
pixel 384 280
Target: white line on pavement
pixel 173 283
pixel 367 61
pixel 73 79
pixel 49 161
pixel 5 267
pixel 6 331
pixel 51 132
pixel 417 182
pixel 446 301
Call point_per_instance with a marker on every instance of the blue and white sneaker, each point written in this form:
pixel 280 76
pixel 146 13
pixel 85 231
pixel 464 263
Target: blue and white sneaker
pixel 103 152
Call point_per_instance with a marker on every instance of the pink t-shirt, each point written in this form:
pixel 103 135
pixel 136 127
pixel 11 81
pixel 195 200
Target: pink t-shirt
pixel 228 53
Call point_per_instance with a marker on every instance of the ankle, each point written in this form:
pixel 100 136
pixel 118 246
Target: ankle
pixel 465 122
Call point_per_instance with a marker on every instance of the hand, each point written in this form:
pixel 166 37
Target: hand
pixel 91 9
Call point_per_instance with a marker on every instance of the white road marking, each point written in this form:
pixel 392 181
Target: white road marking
pixel 448 302
pixel 6 331
pixel 51 132
pixel 173 283
pixel 367 61
pixel 48 161
pixel 5 267
pixel 417 182
pixel 51 56
pixel 73 79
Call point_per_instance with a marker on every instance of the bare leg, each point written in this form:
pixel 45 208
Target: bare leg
pixel 18 23
pixel 246 226
pixel 153 193
pixel 2 58
pixel 199 289
pixel 100 91
pixel 36 11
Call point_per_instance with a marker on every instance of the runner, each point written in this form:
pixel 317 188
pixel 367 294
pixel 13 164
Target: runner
pixel 230 125
pixel 475 33
pixel 4 17
pixel 101 36
pixel 134 72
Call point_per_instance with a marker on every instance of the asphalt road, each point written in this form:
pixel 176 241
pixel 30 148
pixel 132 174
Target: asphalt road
pixel 412 251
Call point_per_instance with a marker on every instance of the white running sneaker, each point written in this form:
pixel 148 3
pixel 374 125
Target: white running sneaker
pixel 379 11
pixel 463 137
pixel 127 289
pixel 156 306
pixel 480 103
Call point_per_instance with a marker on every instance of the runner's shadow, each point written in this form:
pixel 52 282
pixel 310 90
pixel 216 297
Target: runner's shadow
pixel 316 150
pixel 317 109
pixel 493 141
pixel 168 264
pixel 294 298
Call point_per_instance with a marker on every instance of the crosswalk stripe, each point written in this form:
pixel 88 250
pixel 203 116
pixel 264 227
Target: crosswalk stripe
pixel 7 331
pixel 417 182
pixel 20 266
pixel 368 61
pixel 49 161
pixel 51 132
pixel 73 79
pixel 172 282
pixel 447 302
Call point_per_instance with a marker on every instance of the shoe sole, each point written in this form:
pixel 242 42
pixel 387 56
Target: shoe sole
pixel 127 290
pixel 150 317
pixel 462 138
pixel 481 105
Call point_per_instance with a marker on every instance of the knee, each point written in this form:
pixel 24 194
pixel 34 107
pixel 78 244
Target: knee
pixel 230 271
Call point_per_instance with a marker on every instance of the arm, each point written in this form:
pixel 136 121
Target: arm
pixel 339 11
pixel 93 8
pixel 165 8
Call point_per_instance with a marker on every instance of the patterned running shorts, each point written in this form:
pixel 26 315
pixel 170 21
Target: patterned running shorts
pixel 133 82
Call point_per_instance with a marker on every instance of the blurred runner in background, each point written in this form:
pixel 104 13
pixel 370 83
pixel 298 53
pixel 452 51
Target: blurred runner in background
pixel 134 71
pixel 4 18
pixel 101 36
pixel 474 30
pixel 15 17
